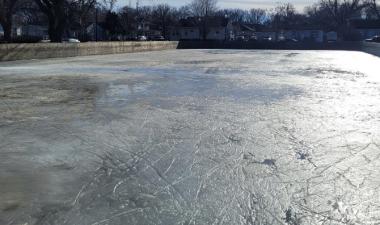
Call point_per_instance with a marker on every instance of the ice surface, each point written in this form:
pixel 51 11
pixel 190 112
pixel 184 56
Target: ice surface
pixel 191 137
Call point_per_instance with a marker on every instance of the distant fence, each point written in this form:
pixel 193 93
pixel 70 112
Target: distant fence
pixel 9 52
pixel 268 45
pixel 371 48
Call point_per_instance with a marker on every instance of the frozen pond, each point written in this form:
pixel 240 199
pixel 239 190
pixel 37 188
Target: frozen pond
pixel 191 137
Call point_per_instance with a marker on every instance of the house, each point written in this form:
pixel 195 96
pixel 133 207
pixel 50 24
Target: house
pixel 366 28
pixel 148 29
pixel 194 28
pixel 244 31
pixel 95 32
pixel 331 36
pixel 266 34
pixel 218 28
pixel 30 31
pixel 310 35
pixel 187 29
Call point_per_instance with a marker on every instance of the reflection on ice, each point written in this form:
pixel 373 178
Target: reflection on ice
pixel 191 137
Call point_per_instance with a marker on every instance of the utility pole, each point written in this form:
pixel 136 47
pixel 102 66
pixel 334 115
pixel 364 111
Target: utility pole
pixel 226 22
pixel 96 21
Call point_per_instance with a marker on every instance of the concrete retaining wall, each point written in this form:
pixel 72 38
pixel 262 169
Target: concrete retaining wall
pixel 371 48
pixel 9 52
pixel 268 45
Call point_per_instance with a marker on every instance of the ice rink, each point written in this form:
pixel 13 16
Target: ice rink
pixel 188 137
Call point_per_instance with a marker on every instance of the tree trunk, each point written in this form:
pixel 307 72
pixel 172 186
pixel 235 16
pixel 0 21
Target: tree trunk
pixel 204 28
pixel 7 27
pixel 164 28
pixel 56 29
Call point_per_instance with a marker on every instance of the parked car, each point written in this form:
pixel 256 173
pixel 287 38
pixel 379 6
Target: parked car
pixel 374 39
pixel 281 38
pixel 241 38
pixel 291 40
pixel 44 41
pixel 157 38
pixel 70 40
pixel 267 39
pixel 142 38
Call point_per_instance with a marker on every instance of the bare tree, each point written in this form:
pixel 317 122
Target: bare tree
pixel 108 4
pixel 203 9
pixel 82 9
pixel 7 9
pixel 257 16
pixel 340 11
pixel 374 8
pixel 234 15
pixel 317 15
pixel 56 12
pixel 162 13
pixel 283 16
pixel 128 16
pixel 184 12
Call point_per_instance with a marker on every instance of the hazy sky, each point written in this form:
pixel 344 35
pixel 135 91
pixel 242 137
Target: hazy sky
pixel 245 4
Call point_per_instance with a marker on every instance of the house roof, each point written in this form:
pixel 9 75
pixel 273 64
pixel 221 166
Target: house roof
pixel 100 25
pixel 365 24
pixel 188 22
pixel 211 22
pixel 248 27
pixel 217 22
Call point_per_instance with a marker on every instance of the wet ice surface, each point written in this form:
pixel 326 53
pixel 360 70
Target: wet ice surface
pixel 191 137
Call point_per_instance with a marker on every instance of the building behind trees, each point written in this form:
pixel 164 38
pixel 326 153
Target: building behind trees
pixel 99 20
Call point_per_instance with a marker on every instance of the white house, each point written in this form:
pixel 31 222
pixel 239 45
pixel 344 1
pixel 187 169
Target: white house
pixel 243 31
pixel 187 29
pixel 185 33
pixel 96 32
pixel 217 28
pixel 35 31
pixel 217 33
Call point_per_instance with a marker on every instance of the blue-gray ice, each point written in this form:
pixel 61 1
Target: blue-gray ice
pixel 191 137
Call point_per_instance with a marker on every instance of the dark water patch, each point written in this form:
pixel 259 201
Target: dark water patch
pixel 49 214
pixel 291 55
pixel 11 207
pixel 336 71
pixel 225 71
pixel 242 52
pixel 196 62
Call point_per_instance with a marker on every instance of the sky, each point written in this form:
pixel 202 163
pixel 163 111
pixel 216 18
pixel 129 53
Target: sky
pixel 243 4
